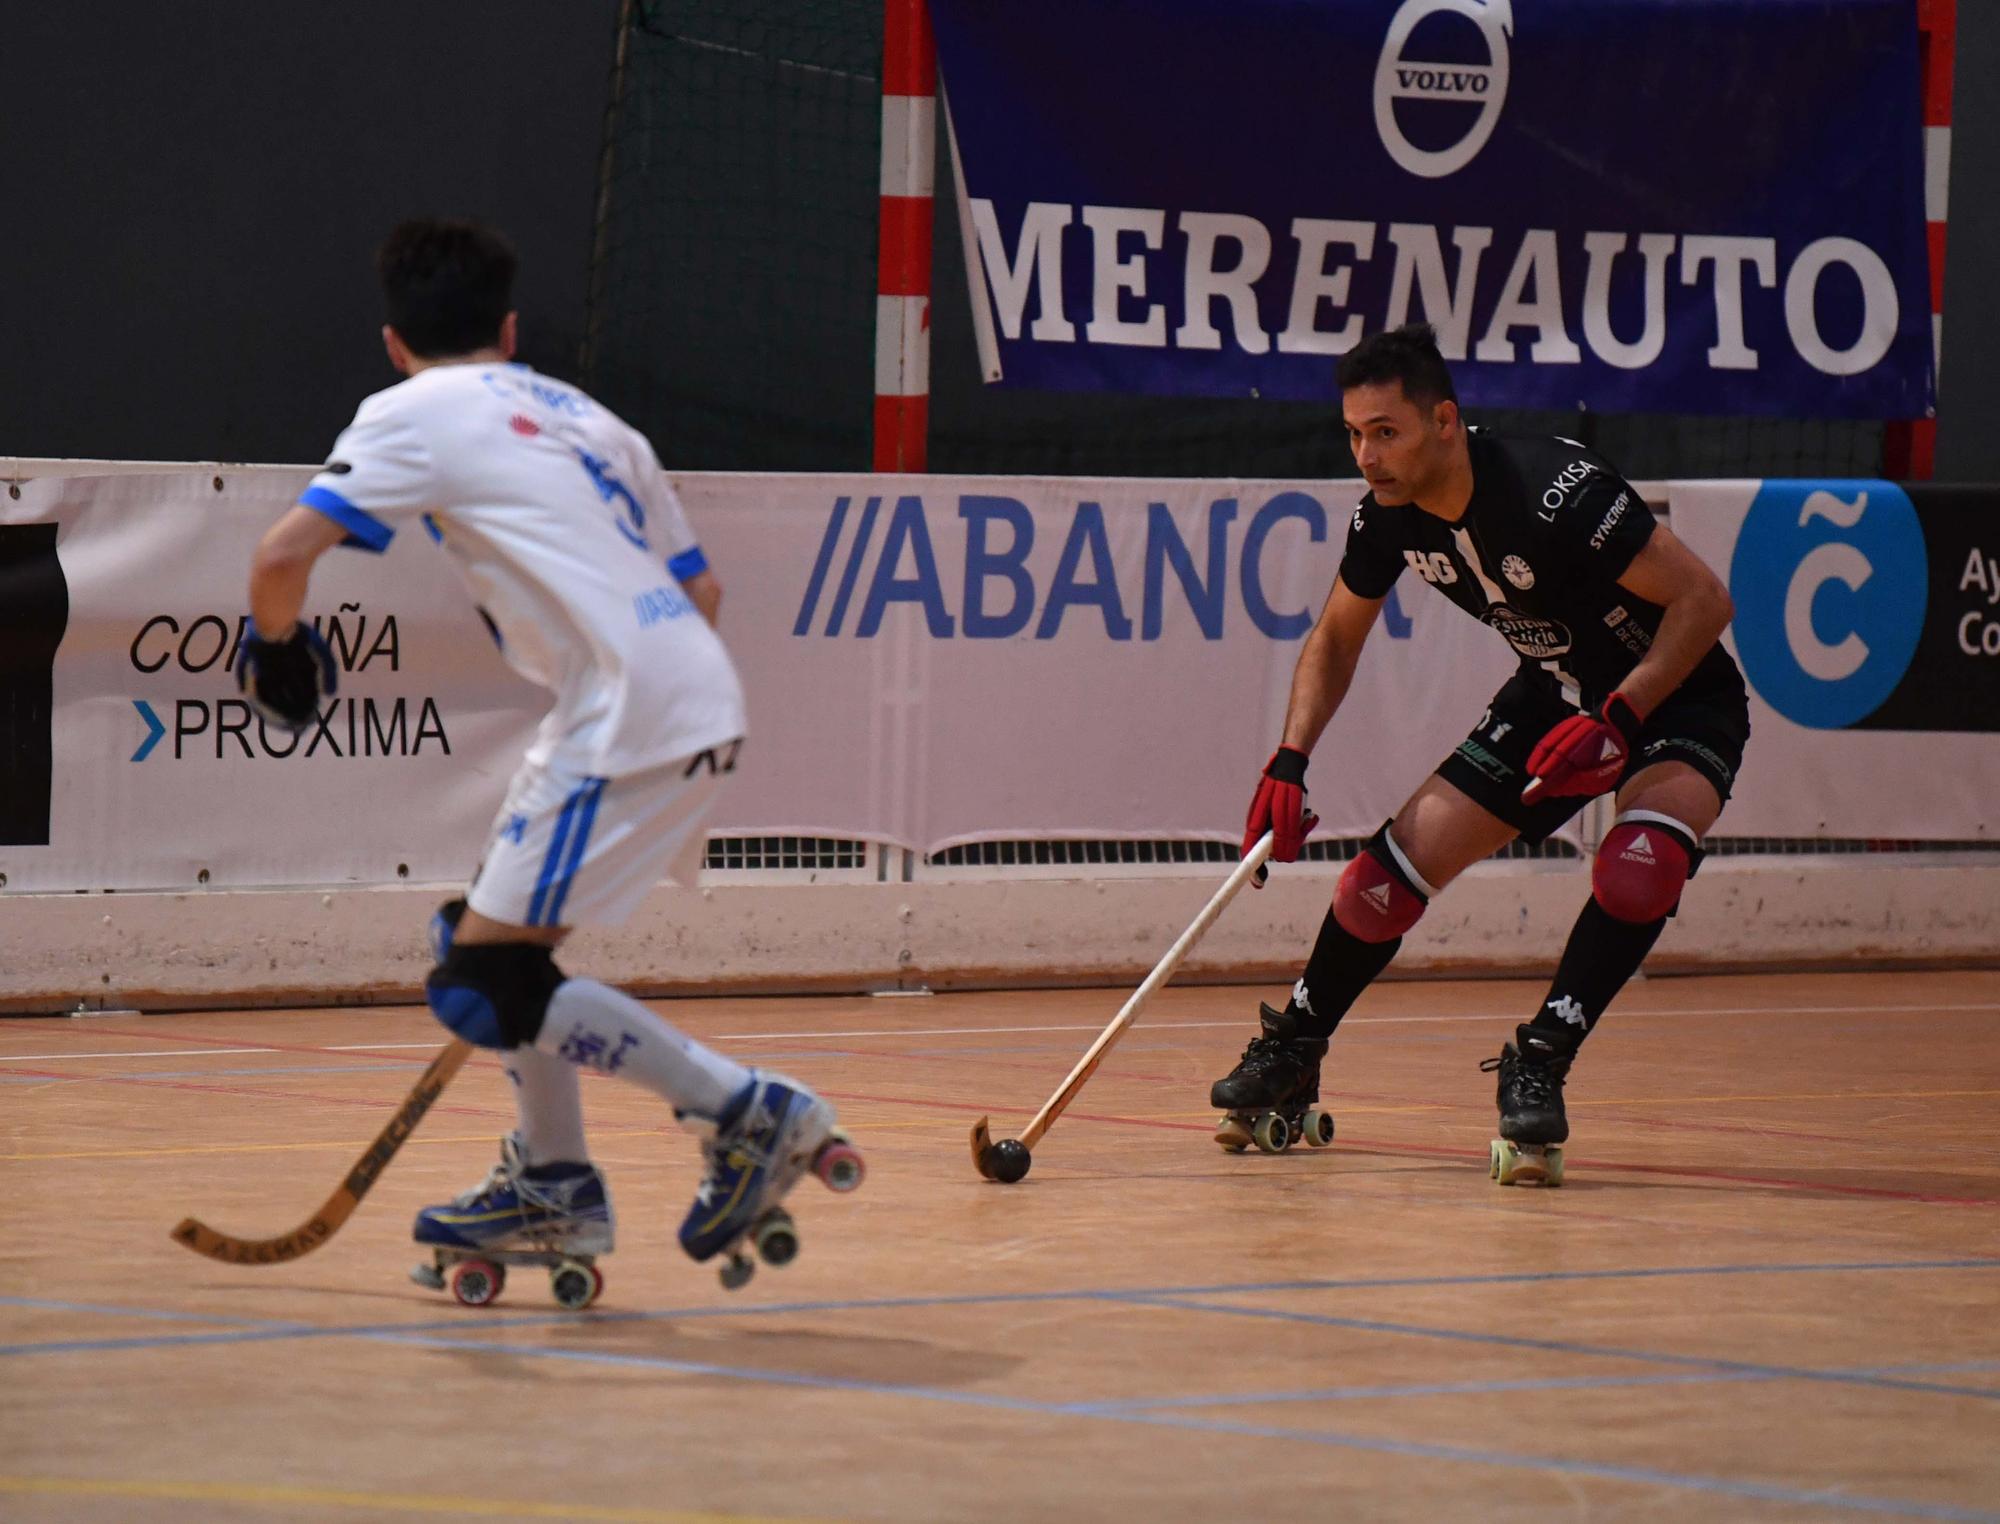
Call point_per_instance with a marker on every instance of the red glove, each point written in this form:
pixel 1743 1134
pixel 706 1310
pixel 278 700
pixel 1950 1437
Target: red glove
pixel 1279 806
pixel 1585 754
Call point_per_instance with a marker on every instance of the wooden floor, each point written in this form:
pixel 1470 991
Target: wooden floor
pixel 1769 1290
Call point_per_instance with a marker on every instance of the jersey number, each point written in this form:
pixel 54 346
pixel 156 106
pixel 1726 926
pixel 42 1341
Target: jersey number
pixel 1433 566
pixel 632 521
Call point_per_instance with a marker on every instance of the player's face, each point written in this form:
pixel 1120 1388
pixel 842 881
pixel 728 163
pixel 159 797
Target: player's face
pixel 1398 445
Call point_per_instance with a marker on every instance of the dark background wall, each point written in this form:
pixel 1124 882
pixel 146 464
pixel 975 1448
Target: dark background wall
pixel 194 191
pixel 193 194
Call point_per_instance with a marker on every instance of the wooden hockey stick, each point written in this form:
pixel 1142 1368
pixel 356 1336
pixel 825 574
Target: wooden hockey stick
pixel 326 1222
pixel 982 1137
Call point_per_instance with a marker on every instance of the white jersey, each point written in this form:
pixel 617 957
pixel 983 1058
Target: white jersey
pixel 572 542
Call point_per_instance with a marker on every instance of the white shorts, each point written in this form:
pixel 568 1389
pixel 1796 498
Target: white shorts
pixel 569 849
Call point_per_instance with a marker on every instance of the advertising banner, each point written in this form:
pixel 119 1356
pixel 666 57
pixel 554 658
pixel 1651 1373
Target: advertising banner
pixel 1610 204
pixel 1868 627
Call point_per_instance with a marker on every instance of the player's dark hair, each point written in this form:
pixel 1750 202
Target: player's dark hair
pixel 447 285
pixel 1408 354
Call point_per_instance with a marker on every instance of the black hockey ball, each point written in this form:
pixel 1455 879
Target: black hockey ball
pixel 1009 1160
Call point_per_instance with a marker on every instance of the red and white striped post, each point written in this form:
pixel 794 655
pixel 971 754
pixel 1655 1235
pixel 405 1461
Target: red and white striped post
pixel 1909 448
pixel 903 252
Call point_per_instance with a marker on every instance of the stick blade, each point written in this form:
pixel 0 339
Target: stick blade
pixel 199 1238
pixel 982 1144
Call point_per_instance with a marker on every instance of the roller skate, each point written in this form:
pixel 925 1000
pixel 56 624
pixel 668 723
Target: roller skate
pixel 1533 1127
pixel 771 1133
pixel 1271 1098
pixel 557 1218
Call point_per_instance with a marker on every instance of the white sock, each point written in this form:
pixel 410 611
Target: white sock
pixel 547 1098
pixel 592 1024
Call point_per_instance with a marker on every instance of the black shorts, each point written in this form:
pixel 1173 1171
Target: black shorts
pixel 1707 730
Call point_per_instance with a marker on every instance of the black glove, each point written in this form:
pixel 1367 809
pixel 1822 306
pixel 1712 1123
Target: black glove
pixel 285 680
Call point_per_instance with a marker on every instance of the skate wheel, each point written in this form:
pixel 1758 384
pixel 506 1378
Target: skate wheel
pixel 1232 1134
pixel 1273 1133
pixel 839 1164
pixel 574 1284
pixel 1555 1165
pixel 776 1238
pixel 474 1282
pixel 430 1277
pixel 1317 1126
pixel 736 1272
pixel 1496 1157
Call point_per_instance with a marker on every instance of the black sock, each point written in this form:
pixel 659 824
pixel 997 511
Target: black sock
pixel 1603 953
pixel 1340 968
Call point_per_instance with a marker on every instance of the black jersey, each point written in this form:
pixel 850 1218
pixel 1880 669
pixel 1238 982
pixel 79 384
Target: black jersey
pixel 1537 555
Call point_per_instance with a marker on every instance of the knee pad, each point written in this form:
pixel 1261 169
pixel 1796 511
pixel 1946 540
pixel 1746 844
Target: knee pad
pixel 1380 896
pixel 1642 864
pixel 494 994
pixel 444 926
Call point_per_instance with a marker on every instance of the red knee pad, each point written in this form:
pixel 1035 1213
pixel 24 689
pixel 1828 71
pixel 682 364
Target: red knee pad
pixel 1372 903
pixel 1641 867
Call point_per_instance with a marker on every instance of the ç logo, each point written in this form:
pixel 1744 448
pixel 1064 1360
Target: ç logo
pixel 1483 86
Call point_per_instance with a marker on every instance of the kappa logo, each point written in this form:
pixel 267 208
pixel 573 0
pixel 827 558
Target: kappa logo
pixel 1301 998
pixel 1479 88
pixel 1518 572
pixel 1568 1010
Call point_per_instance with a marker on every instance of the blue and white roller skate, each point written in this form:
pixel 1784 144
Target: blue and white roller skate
pixel 772 1131
pixel 559 1218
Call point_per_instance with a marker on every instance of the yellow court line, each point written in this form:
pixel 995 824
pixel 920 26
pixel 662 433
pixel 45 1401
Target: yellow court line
pixel 371 1502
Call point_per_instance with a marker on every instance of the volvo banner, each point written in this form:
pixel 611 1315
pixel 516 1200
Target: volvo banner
pixel 1607 204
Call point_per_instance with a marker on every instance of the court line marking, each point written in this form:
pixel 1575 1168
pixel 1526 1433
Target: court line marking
pixel 1902 1007
pixel 1570 1347
pixel 238 1329
pixel 1423 1450
pixel 375 1502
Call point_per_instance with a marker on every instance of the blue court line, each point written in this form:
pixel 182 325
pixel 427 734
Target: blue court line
pixel 1567 1347
pixel 1506 1459
pixel 1489 1388
pixel 408 1335
pixel 273 1328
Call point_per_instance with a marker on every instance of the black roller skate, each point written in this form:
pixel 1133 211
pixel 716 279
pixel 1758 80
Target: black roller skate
pixel 1533 1127
pixel 1271 1097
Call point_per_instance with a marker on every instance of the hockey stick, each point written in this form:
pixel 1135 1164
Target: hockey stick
pixel 1008 1160
pixel 326 1222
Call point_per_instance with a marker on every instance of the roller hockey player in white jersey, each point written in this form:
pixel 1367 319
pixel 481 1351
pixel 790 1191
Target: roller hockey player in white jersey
pixel 1622 688
pixel 576 551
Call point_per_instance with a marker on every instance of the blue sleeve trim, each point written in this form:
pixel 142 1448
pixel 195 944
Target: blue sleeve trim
pixel 364 530
pixel 689 563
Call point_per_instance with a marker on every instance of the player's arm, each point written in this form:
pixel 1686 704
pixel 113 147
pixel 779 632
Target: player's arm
pixel 1319 684
pixel 285 668
pixel 1326 664
pixel 704 590
pixel 1587 753
pixel 1697 610
pixel 282 567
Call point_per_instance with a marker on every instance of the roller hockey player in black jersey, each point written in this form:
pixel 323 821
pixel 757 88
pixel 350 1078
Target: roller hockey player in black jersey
pixel 1622 687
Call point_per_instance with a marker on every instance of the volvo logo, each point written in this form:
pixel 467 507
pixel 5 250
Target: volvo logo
pixel 1481 88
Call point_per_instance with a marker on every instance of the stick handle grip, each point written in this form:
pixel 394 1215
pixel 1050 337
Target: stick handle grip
pixel 1162 972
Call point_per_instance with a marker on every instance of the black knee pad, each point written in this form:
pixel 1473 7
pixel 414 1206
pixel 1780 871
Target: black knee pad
pixel 494 994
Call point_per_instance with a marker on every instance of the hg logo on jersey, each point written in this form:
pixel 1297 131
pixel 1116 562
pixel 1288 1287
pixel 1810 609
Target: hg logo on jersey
pixel 1462 96
pixel 1830 581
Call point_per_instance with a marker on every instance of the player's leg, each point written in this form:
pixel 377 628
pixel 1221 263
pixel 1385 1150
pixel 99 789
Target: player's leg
pixel 1687 759
pixel 759 1131
pixel 1467 810
pixel 544 1193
